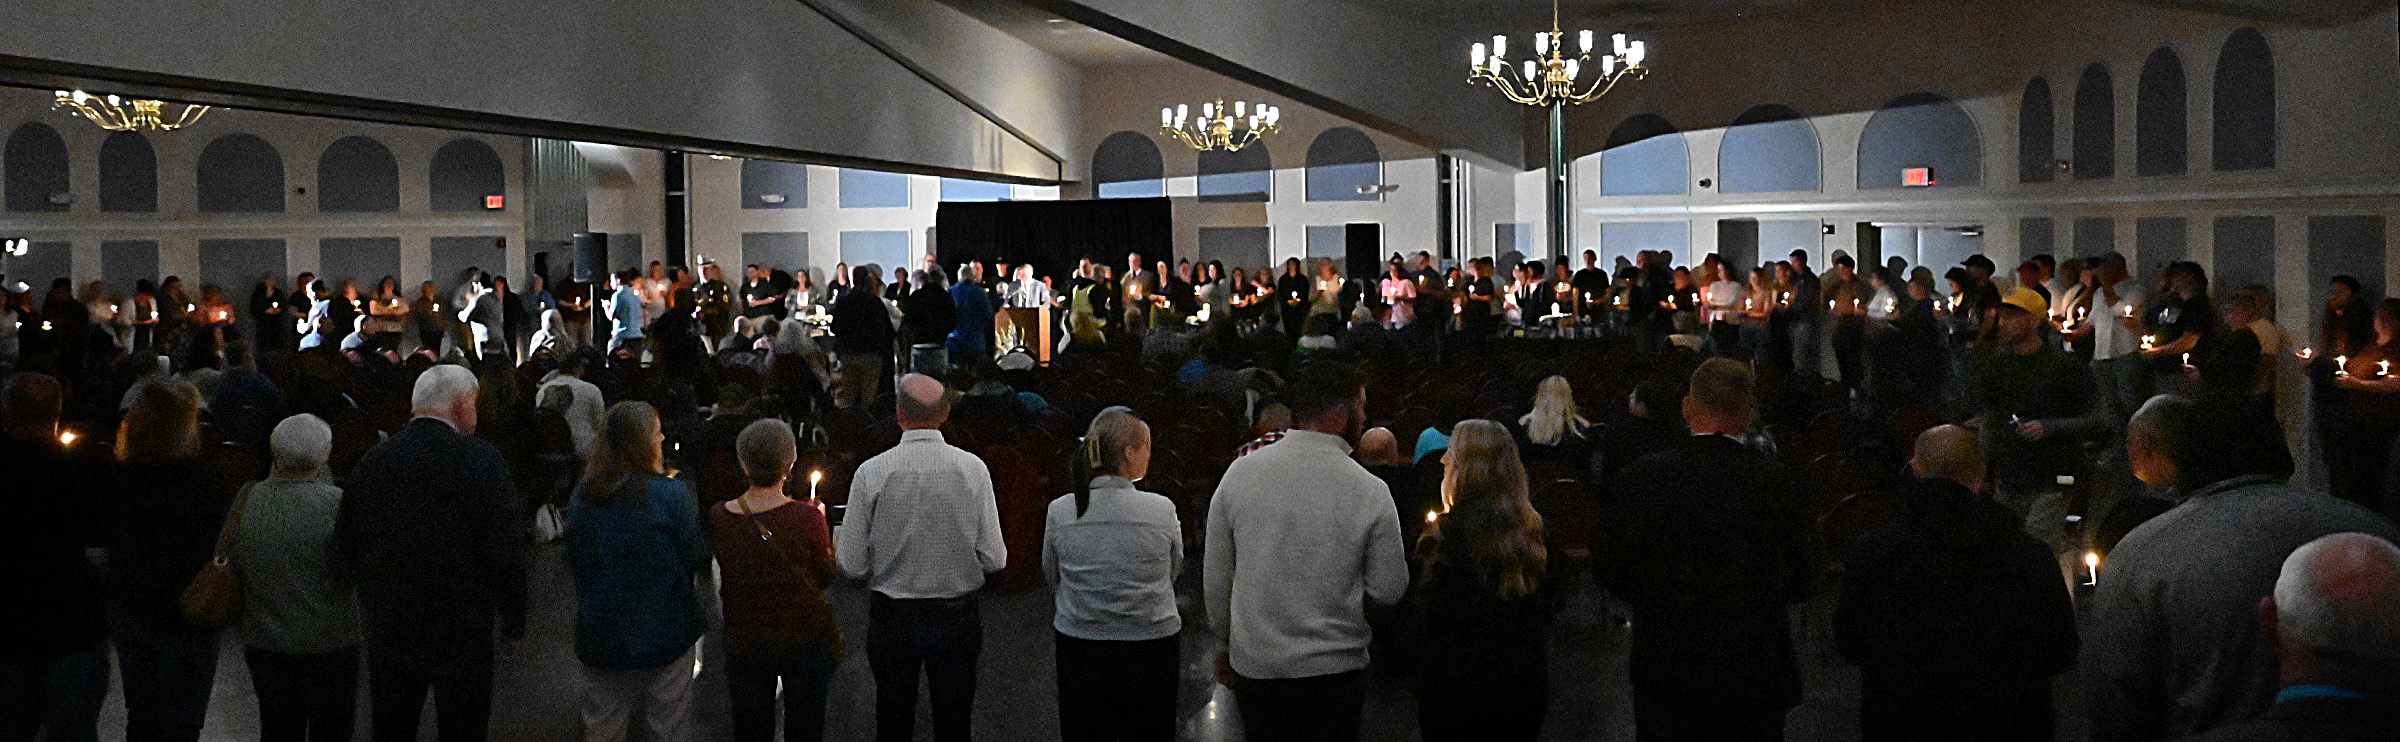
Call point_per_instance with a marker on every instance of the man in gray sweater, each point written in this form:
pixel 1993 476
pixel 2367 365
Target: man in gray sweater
pixel 1301 538
pixel 2174 646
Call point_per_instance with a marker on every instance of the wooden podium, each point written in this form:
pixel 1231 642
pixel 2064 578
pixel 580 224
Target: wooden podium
pixel 1028 324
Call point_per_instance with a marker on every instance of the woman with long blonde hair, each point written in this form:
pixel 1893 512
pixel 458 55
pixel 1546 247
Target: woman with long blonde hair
pixel 169 506
pixel 1553 420
pixel 1481 566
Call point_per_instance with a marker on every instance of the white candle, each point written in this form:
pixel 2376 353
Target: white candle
pixel 2341 365
pixel 2091 567
pixel 815 476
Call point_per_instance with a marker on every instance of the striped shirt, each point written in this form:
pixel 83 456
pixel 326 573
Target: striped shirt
pixel 922 521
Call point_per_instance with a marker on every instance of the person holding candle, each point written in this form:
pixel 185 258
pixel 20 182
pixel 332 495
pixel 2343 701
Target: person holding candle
pixel 1591 284
pixel 1114 552
pixel 2365 415
pixel 775 556
pixel 2172 648
pixel 1482 585
pixel 54 661
pixel 1399 293
pixel 1845 302
pixel 1805 312
pixel 2034 399
pixel 1954 616
pixel 1723 296
pixel 2184 321
pixel 1707 542
pixel 1291 299
pixel 1758 304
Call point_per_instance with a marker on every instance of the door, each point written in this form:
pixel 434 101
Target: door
pixel 1737 245
pixel 1362 251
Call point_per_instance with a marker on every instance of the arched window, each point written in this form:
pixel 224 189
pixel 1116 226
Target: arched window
pixel 240 173
pixel 465 171
pixel 1769 149
pixel 2037 133
pixel 1645 157
pixel 767 184
pixel 2161 142
pixel 2245 103
pixel 2095 125
pixel 128 173
pixel 1127 165
pixel 1245 176
pixel 358 174
pixel 1920 131
pixel 1341 161
pixel 36 160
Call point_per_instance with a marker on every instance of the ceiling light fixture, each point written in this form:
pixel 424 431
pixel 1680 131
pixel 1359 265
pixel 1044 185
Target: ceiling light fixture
pixel 1554 79
pixel 1220 127
pixel 120 114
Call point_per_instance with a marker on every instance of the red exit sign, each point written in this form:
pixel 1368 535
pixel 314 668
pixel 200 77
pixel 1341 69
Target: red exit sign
pixel 1916 177
pixel 495 202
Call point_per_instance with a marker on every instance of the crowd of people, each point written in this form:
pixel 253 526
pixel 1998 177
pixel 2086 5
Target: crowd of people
pixel 1398 473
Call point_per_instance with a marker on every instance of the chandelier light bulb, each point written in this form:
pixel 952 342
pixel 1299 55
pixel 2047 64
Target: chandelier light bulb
pixel 1573 69
pixel 1541 44
pixel 1529 70
pixel 1166 117
pixel 1240 109
pixel 1500 46
pixel 1476 55
pixel 1608 66
pixel 1619 40
pixel 1633 57
pixel 1586 40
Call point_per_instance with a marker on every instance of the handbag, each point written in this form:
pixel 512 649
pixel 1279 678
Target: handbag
pixel 213 600
pixel 833 626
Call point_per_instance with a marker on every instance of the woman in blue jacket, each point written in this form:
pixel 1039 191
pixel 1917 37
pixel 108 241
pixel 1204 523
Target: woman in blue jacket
pixel 634 540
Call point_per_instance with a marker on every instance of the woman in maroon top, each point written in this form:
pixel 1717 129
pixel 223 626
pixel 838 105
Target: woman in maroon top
pixel 776 557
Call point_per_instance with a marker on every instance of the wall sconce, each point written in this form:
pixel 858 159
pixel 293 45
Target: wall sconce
pixel 62 198
pixel 2063 167
pixel 1378 188
pixel 772 198
pixel 1704 182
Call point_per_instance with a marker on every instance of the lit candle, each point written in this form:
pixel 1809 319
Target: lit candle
pixel 2091 567
pixel 45 325
pixel 815 476
pixel 190 307
pixel 2341 365
pixel 67 438
pixel 2383 369
pixel 2129 311
pixel 1891 305
pixel 112 307
pixel 2308 353
pixel 1431 515
pixel 2187 359
pixel 2148 340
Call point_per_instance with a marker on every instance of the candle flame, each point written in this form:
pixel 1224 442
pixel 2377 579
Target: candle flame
pixel 815 476
pixel 67 438
pixel 1431 515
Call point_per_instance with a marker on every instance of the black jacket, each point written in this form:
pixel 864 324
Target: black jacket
pixel 54 606
pixel 429 525
pixel 1957 619
pixel 861 324
pixel 1707 543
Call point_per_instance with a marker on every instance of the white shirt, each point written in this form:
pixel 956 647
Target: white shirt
pixel 2110 338
pixel 1300 539
pixel 923 521
pixel 1115 565
pixel 586 411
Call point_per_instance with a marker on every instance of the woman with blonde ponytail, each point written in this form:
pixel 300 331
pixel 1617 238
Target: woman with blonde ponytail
pixel 1484 673
pixel 1114 551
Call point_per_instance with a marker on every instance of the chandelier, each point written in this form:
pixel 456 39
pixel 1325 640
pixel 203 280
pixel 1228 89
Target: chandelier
pixel 119 114
pixel 1552 76
pixel 1220 127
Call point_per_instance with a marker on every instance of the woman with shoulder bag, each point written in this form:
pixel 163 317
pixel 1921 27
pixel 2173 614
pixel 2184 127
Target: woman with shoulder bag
pixel 168 520
pixel 776 557
pixel 299 618
pixel 1483 668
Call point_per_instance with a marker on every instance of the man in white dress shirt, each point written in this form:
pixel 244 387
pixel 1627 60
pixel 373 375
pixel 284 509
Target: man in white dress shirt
pixel 923 529
pixel 1301 539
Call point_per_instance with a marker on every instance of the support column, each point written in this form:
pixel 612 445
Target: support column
pixel 1560 215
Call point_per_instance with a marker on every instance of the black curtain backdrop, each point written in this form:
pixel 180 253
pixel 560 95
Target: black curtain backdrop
pixel 1053 235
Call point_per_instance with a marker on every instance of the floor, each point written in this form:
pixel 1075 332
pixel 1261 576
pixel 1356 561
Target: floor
pixel 539 687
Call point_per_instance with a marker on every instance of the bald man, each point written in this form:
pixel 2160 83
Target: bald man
pixel 923 529
pixel 2334 622
pixel 1956 619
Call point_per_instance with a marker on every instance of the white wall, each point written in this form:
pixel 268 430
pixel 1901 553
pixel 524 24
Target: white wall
pixel 178 226
pixel 718 221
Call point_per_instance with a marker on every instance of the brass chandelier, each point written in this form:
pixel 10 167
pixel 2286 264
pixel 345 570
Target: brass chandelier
pixel 1552 76
pixel 120 114
pixel 1220 127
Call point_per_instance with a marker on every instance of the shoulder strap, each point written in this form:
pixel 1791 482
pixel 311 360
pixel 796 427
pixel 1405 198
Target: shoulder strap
pixel 233 524
pixel 757 520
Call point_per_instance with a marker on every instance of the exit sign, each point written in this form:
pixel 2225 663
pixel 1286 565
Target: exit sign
pixel 495 202
pixel 1916 177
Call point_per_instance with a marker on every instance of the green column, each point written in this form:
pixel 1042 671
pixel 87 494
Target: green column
pixel 1559 202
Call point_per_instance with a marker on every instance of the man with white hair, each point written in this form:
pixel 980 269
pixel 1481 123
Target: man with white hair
pixel 923 529
pixel 2172 646
pixel 431 529
pixel 299 620
pixel 2334 623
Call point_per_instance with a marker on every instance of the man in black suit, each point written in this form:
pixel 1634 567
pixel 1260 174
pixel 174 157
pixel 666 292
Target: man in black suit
pixel 429 526
pixel 1705 542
